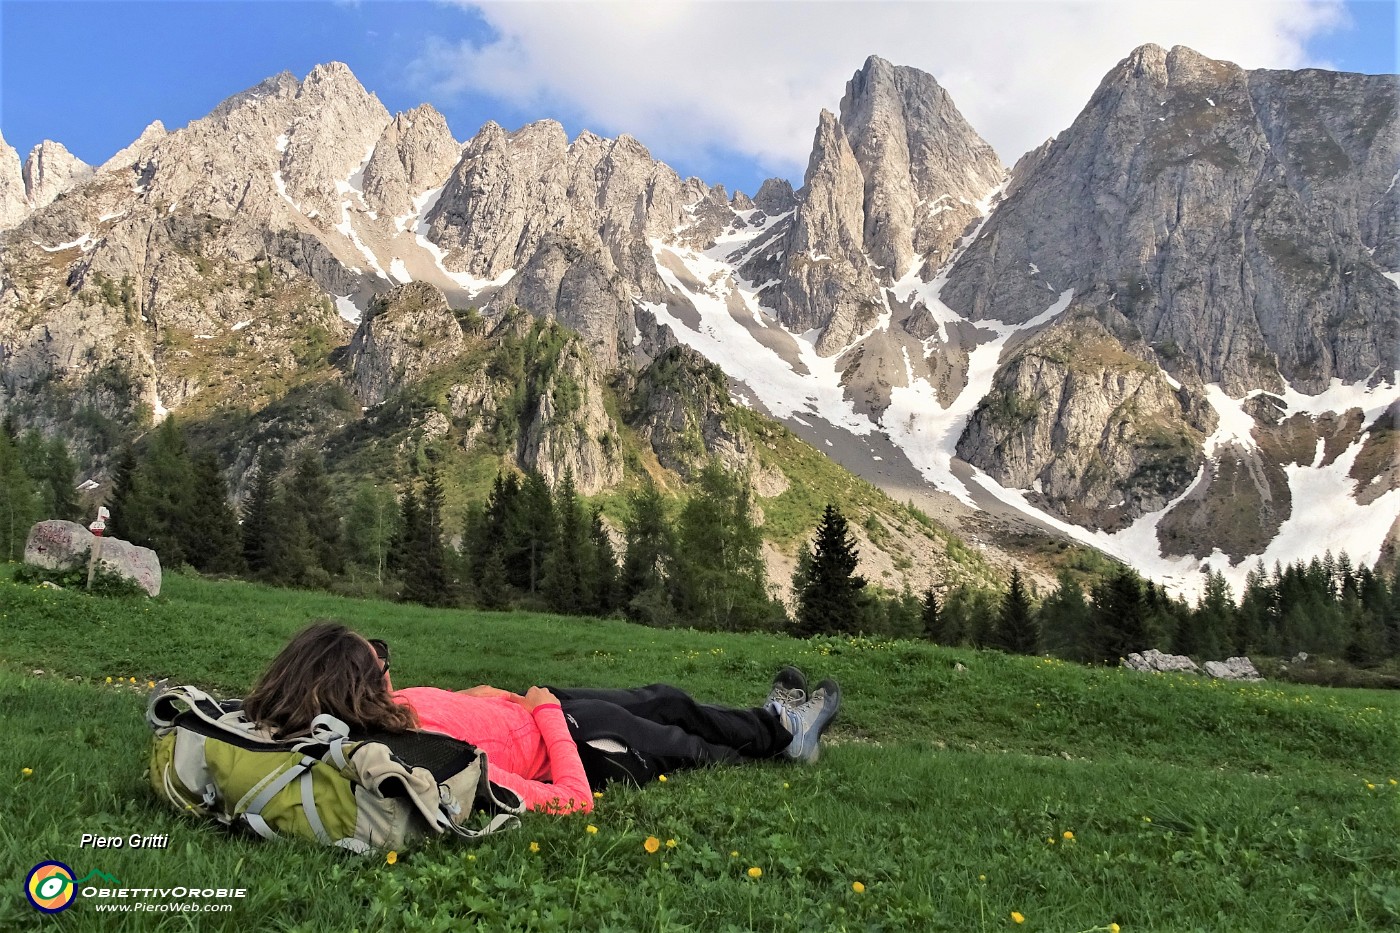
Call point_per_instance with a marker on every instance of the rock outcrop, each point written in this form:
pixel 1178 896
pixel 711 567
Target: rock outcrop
pixel 889 187
pixel 1242 221
pixel 60 545
pixel 407 333
pixel 14 204
pixel 680 403
pixel 50 171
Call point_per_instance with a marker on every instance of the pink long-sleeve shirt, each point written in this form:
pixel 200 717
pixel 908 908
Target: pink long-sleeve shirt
pixel 529 753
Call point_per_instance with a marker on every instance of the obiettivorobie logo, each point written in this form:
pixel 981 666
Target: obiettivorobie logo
pixel 51 887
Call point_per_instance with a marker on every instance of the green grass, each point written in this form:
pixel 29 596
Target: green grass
pixel 945 792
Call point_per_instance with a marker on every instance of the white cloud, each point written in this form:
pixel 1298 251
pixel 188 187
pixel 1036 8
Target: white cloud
pixel 707 77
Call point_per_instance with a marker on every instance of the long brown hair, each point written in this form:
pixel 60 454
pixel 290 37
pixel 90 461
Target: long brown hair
pixel 326 668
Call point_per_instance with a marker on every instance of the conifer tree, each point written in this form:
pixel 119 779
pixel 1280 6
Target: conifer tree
pixel 215 542
pixel 159 511
pixel 309 492
pixel 370 527
pixel 258 529
pixel 424 572
pixel 647 559
pixel 829 598
pixel 1117 620
pixel 564 565
pixel 931 617
pixel 19 505
pixel 59 475
pixel 719 581
pixel 531 534
pixel 492 591
pixel 1016 629
pixel 122 492
pixel 601 580
pixel 1064 620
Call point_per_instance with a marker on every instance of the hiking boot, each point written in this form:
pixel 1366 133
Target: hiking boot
pixel 808 721
pixel 789 690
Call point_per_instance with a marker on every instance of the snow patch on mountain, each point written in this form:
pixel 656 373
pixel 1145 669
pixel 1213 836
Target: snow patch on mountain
pixel 1235 425
pixel 927 430
pixel 731 344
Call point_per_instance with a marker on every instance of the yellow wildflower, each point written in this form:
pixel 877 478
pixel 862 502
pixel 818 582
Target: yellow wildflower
pixel 391 858
pixel 857 887
pixel 133 680
pixel 1113 928
pixel 670 843
pixel 534 847
pixel 26 771
pixel 1016 917
pixel 652 844
pixel 755 872
pixel 150 684
pixel 734 853
pixel 1370 786
pixel 661 778
pixel 982 878
pixel 597 795
pixel 592 828
pixel 1393 782
pixel 109 680
pixel 471 857
pixel 1069 836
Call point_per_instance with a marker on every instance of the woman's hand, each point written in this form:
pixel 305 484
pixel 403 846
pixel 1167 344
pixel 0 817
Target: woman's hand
pixel 536 696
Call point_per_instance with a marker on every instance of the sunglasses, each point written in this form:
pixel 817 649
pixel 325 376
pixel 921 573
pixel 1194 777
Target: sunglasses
pixel 381 651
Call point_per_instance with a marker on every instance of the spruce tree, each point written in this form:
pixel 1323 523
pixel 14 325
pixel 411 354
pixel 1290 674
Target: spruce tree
pixel 19 501
pixel 258 528
pixel 564 566
pixel 310 493
pixel 601 580
pixel 1016 629
pixel 122 493
pixel 492 591
pixel 59 475
pixel 647 559
pixel 829 601
pixel 370 527
pixel 531 535
pixel 931 617
pixel 1065 621
pixel 1117 620
pixel 719 581
pixel 215 545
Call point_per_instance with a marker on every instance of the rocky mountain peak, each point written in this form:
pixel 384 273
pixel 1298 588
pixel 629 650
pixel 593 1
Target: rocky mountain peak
pixel 414 153
pixel 51 170
pixel 153 133
pixel 14 204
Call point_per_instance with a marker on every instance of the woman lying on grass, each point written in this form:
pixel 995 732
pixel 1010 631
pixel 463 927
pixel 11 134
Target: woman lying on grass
pixel 552 746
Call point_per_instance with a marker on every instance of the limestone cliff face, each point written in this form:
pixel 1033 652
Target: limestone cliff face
pixel 414 152
pixel 1241 220
pixel 572 432
pixel 409 332
pixel 14 204
pixel 50 171
pixel 679 405
pixel 890 186
pixel 564 227
pixel 1090 425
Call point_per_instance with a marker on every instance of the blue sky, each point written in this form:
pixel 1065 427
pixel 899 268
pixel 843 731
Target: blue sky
pixel 727 91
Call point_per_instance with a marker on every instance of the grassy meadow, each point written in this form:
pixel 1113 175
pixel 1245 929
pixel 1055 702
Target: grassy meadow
pixel 959 790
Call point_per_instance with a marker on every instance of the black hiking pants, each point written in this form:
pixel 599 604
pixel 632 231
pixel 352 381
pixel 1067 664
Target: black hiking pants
pixel 644 732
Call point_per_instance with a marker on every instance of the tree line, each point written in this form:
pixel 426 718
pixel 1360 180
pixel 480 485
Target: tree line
pixel 694 563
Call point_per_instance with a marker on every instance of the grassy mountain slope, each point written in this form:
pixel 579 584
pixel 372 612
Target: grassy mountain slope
pixel 956 786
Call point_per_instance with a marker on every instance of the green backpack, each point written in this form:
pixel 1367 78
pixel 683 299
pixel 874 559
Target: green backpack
pixel 364 794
